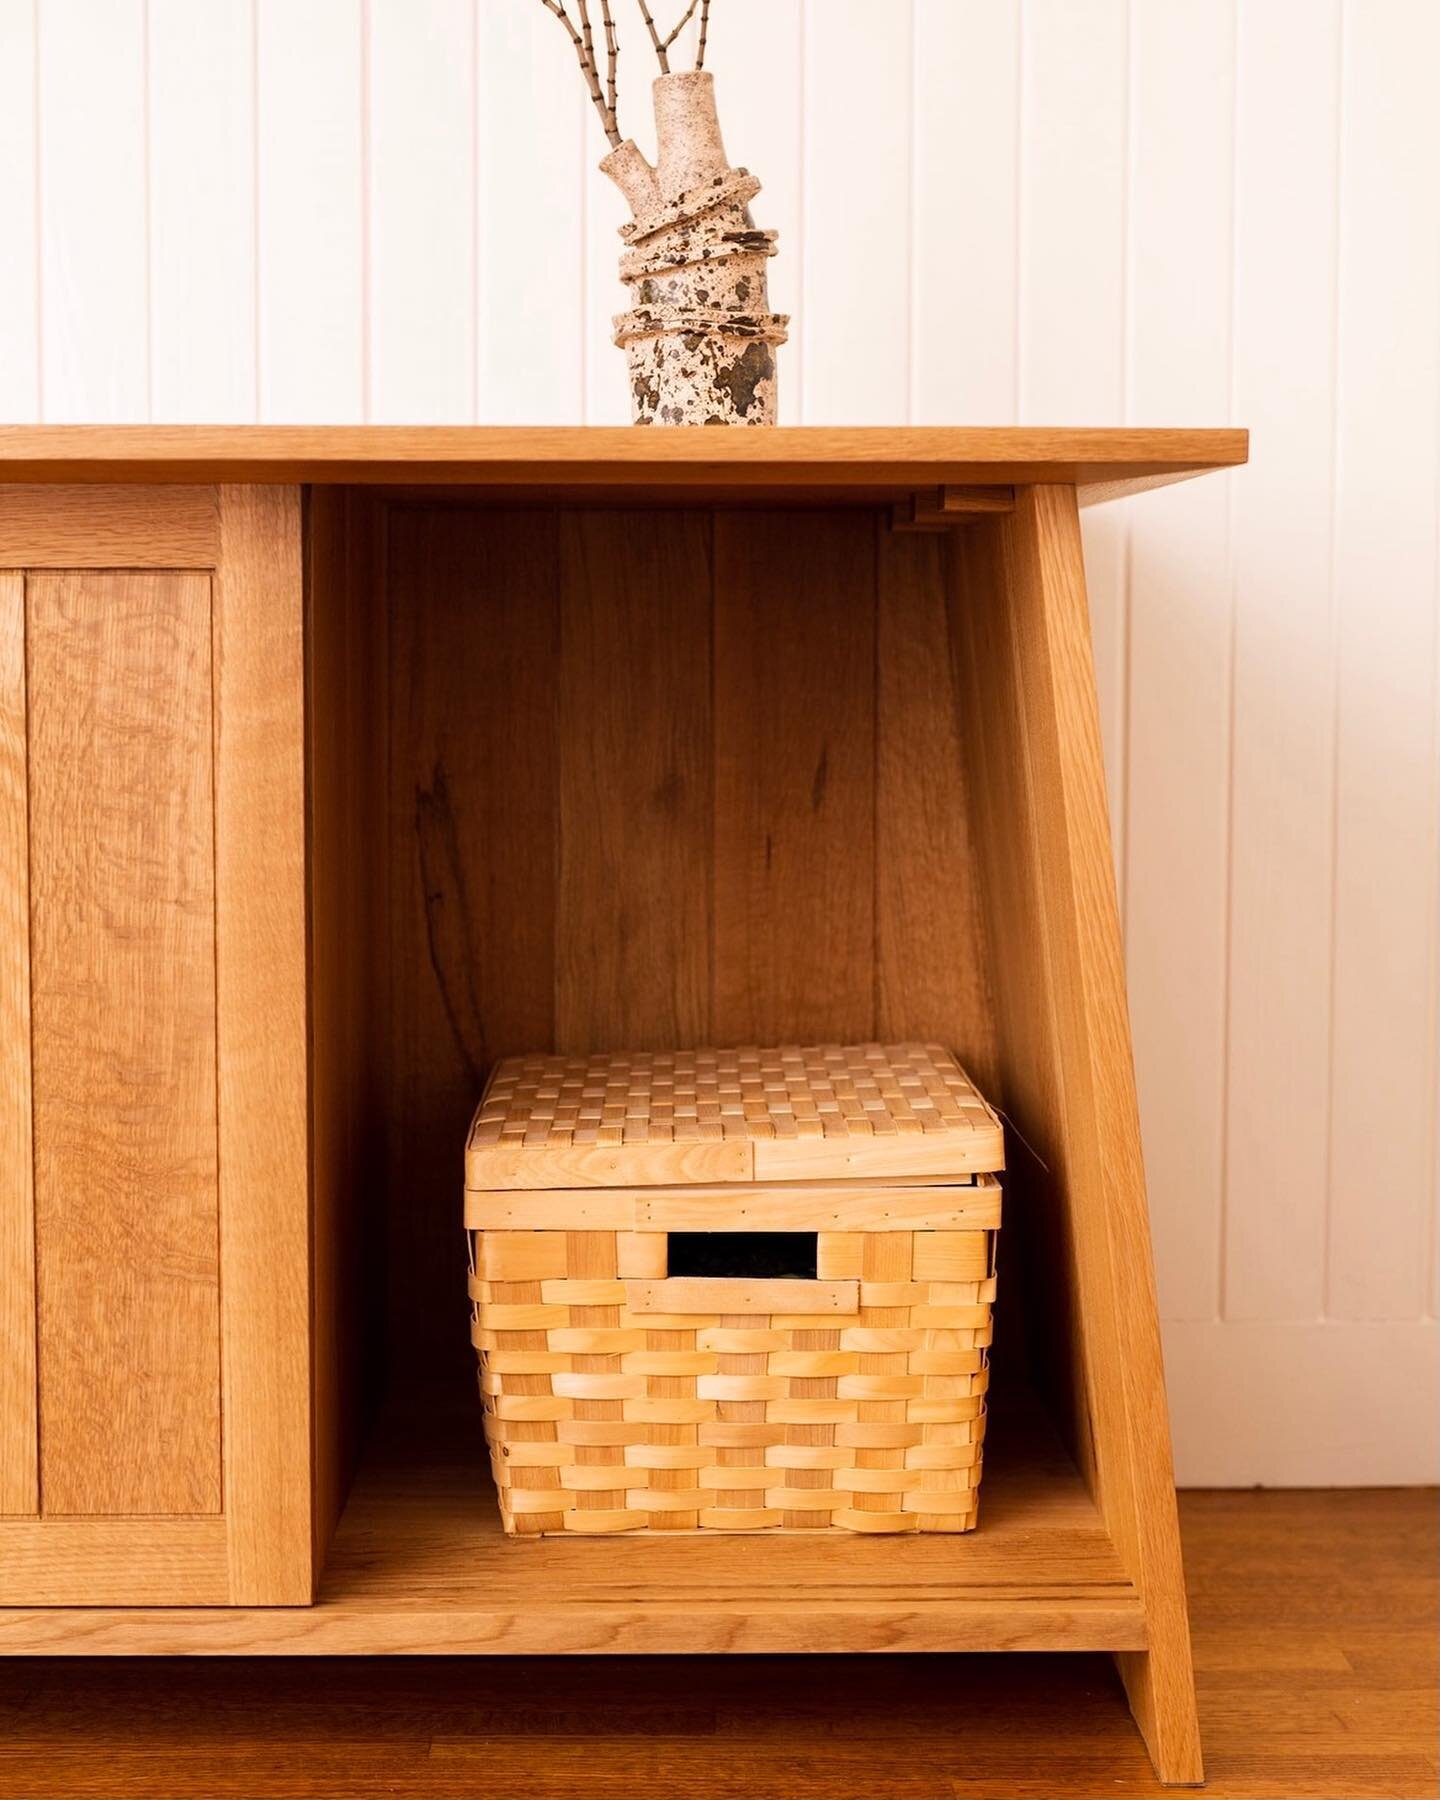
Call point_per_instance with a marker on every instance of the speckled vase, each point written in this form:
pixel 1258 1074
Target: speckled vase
pixel 699 337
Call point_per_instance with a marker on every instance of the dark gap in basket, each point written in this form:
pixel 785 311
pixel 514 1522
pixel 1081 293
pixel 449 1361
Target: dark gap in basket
pixel 749 1255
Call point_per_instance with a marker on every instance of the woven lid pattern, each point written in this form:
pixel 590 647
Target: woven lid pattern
pixel 697 1096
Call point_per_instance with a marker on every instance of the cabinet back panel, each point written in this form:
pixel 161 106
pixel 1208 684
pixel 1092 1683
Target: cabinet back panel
pixel 657 778
pixel 122 950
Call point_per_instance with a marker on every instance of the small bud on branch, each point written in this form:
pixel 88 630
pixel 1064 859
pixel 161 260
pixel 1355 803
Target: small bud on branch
pixel 582 37
pixel 584 43
pixel 662 45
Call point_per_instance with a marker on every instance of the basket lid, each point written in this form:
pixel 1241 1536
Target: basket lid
pixel 817 1112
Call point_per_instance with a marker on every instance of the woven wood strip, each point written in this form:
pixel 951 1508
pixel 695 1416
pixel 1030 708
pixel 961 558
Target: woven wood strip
pixel 854 1402
pixel 555 1110
pixel 757 1422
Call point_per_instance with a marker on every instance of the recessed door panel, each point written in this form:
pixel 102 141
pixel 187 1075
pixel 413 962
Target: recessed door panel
pixel 122 979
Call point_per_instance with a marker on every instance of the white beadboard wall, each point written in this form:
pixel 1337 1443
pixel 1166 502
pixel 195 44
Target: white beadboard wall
pixel 1050 211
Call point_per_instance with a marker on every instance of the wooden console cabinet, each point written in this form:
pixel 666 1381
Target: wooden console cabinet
pixel 335 764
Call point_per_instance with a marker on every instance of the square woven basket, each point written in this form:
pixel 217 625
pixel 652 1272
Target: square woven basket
pixel 734 1290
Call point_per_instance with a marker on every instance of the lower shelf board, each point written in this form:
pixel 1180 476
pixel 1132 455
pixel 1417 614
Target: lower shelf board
pixel 420 1567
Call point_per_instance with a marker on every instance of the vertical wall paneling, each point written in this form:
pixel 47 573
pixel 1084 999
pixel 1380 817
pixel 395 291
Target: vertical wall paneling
pixel 311 257
pixel 19 1469
pixel 762 108
pixel 19 219
pixel 1074 100
pixel 202 210
pixel 94 223
pixel 607 388
pixel 857 349
pixel 1178 725
pixel 123 1003
pixel 1387 810
pixel 421 165
pixel 963 267
pixel 1282 812
pixel 533 127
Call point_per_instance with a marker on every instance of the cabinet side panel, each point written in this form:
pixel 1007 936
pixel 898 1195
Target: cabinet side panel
pixel 123 1002
pixel 1064 1042
pixel 794 776
pixel 349 919
pixel 262 1034
pixel 19 1473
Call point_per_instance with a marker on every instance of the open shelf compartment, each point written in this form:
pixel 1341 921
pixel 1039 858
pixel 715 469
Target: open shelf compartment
pixel 588 777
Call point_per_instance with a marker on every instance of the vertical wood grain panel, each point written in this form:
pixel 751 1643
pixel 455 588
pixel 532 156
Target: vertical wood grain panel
pixel 348 746
pixel 422 210
pixel 965 199
pixel 1074 103
pixel 202 210
pixel 633 919
pixel 1282 814
pixel 857 180
pixel 261 1030
pixel 1177 741
pixel 1064 1047
pixel 93 216
pixel 19 1468
pixel 123 1007
pixel 531 135
pixel 930 952
pixel 473 602
pixel 19 218
pixel 761 98
pixel 311 273
pixel 1387 808
pixel 794 776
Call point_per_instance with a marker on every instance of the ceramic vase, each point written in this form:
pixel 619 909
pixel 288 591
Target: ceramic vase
pixel 699 337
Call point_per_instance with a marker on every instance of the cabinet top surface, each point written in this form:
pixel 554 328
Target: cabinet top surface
pixel 830 463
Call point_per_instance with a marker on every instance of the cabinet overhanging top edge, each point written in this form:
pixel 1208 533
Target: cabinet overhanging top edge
pixel 855 462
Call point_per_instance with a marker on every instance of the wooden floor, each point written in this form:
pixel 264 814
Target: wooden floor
pixel 1314 1618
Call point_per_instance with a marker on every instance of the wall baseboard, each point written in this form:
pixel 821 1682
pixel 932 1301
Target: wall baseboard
pixel 1329 1403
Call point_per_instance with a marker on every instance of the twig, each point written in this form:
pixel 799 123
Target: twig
pixel 662 45
pixel 585 50
pixel 689 15
pixel 704 33
pixel 612 56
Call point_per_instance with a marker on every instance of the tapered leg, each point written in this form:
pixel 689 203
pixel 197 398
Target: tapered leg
pixel 1023 658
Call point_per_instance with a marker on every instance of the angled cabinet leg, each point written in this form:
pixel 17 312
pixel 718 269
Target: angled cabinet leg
pixel 1021 636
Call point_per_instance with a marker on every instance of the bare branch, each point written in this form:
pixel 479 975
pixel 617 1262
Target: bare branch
pixel 587 37
pixel 585 51
pixel 689 15
pixel 655 38
pixel 662 45
pixel 704 33
pixel 612 55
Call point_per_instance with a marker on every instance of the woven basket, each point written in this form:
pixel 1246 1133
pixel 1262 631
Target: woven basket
pixel 625 1391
